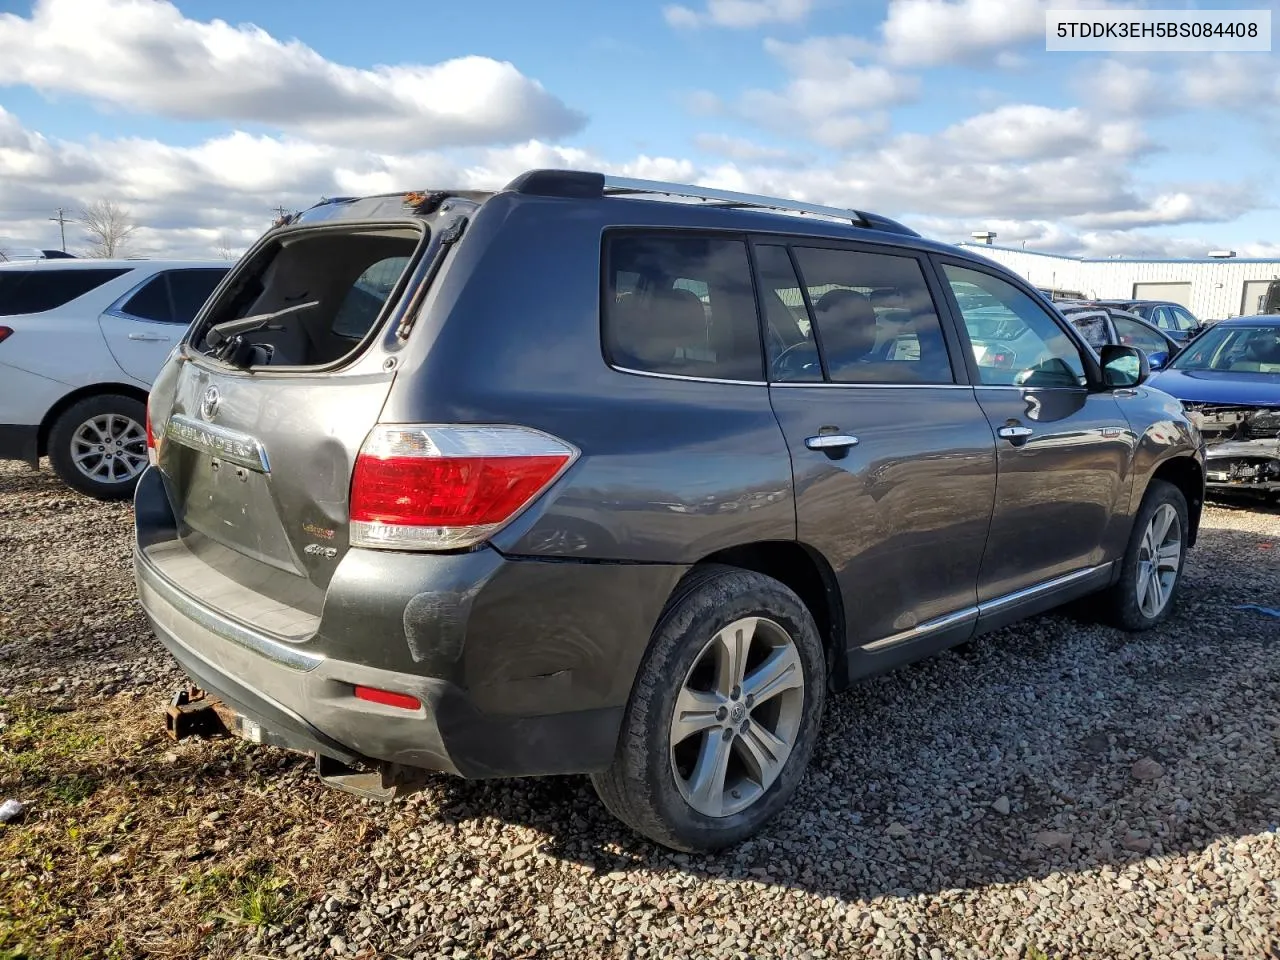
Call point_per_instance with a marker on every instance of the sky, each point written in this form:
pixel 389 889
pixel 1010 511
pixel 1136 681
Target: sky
pixel 202 117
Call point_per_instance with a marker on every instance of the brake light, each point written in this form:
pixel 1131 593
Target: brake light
pixel 427 487
pixel 388 698
pixel 152 453
pixel 5 333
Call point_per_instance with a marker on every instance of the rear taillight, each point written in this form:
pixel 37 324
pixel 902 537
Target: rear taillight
pixel 5 333
pixel 152 453
pixel 446 487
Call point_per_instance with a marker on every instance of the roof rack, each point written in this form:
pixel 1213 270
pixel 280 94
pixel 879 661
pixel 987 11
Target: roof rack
pixel 729 198
pixel 581 184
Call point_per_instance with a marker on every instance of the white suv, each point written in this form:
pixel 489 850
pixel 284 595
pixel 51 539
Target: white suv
pixel 80 343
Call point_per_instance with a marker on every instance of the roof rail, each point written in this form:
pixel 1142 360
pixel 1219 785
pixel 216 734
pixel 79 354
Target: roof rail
pixel 584 185
pixel 729 198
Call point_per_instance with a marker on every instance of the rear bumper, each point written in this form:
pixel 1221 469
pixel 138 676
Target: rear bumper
pixel 522 668
pixel 20 441
pixel 308 702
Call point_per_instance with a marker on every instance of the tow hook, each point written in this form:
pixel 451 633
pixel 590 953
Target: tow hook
pixel 191 713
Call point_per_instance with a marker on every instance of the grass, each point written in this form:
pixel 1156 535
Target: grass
pixel 134 846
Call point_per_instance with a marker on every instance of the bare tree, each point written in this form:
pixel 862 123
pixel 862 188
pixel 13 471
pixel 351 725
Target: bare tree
pixel 224 247
pixel 109 227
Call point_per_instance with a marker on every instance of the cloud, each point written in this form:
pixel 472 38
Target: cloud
pixel 1235 81
pixel 830 99
pixel 1024 131
pixel 1053 178
pixel 1124 89
pixel 741 149
pixel 145 55
pixel 934 32
pixel 740 14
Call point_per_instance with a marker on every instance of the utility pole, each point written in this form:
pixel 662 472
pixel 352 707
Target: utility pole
pixel 61 220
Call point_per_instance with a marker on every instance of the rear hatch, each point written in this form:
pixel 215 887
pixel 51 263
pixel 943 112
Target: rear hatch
pixel 257 430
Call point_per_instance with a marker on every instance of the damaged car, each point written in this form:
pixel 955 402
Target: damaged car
pixel 1229 382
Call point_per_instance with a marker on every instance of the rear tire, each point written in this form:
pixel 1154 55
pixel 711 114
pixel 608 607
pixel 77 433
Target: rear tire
pixel 98 445
pixel 740 654
pixel 1151 571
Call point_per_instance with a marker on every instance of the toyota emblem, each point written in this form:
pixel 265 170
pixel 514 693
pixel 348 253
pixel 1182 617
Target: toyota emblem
pixel 209 403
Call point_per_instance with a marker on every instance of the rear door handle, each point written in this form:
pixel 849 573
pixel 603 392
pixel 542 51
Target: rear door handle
pixel 150 337
pixel 1014 433
pixel 831 441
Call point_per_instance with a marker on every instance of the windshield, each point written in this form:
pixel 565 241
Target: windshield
pixel 1238 349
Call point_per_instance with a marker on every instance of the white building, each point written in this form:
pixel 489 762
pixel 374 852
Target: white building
pixel 1212 288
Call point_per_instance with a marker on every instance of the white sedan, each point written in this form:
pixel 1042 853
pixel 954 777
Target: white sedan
pixel 80 343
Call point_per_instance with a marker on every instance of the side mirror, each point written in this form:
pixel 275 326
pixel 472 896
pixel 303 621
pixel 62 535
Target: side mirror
pixel 1123 366
pixel 1158 359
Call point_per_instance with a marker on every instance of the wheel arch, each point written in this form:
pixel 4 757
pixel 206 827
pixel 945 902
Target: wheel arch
pixel 808 574
pixel 75 396
pixel 1186 474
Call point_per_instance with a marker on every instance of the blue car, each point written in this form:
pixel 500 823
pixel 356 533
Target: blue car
pixel 1228 379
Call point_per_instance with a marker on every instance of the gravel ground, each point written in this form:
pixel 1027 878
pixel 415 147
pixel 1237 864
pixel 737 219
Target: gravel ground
pixel 1057 789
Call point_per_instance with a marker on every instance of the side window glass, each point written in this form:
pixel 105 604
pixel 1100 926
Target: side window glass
pixel 151 302
pixel 1163 318
pixel 1015 342
pixel 1092 326
pixel 363 302
pixel 1134 334
pixel 190 289
pixel 1185 321
pixel 680 305
pixel 35 291
pixel 793 355
pixel 875 318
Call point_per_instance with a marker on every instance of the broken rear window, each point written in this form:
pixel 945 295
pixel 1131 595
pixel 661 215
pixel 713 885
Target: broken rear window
pixel 318 295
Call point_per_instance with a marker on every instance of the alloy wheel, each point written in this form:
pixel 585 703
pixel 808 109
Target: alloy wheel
pixel 110 448
pixel 737 716
pixel 1159 558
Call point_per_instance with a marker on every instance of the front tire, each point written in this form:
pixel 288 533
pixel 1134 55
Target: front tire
pixel 1152 566
pixel 724 714
pixel 98 445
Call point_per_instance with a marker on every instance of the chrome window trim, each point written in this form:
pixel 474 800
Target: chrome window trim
pixel 680 376
pixel 874 386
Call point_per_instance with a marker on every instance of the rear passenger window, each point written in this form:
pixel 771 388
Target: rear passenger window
pixel 680 305
pixel 151 302
pixel 874 316
pixel 35 291
pixel 190 289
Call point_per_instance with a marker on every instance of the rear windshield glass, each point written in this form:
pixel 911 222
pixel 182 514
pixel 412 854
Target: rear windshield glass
pixel 681 305
pixel 334 285
pixel 35 291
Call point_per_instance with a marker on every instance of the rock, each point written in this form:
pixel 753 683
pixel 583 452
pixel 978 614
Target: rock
pixel 338 945
pixel 1053 838
pixel 1136 843
pixel 1146 769
pixel 1001 806
pixel 896 829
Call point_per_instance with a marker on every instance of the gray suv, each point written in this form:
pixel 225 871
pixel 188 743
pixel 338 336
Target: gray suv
pixel 606 476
